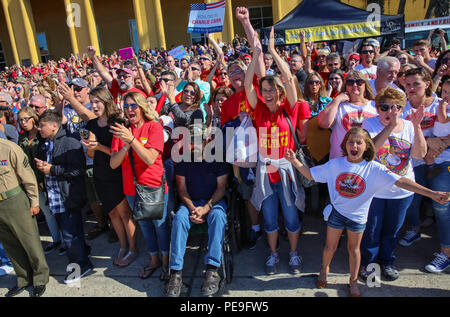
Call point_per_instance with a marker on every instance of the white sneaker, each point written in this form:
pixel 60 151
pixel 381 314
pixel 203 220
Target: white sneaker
pixel 6 269
pixel 440 263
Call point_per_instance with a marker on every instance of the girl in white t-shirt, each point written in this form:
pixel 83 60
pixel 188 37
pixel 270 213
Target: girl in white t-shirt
pixel 347 110
pixel 397 142
pixel 351 192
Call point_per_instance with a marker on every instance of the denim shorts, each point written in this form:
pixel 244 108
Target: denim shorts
pixel 338 221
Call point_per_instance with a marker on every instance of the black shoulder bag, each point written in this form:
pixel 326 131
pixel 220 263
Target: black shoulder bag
pixel 302 155
pixel 149 201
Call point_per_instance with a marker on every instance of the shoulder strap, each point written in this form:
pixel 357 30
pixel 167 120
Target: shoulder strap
pixel 130 155
pixel 297 143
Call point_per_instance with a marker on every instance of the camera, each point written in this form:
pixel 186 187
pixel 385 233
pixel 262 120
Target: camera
pixel 84 133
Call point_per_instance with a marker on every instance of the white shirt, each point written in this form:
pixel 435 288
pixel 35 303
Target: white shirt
pixel 352 186
pixel 427 124
pixel 442 130
pixel 348 116
pixel 395 154
pixel 370 72
pixel 374 90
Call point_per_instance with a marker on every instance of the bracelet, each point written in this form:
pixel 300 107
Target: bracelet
pixel 132 140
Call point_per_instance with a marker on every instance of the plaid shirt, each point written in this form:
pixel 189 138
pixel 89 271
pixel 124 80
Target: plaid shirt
pixel 55 202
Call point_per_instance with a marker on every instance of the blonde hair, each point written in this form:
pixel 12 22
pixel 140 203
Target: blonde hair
pixel 141 101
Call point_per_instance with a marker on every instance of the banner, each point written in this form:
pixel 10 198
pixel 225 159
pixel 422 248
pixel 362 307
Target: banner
pixel 334 32
pixel 178 52
pixel 206 17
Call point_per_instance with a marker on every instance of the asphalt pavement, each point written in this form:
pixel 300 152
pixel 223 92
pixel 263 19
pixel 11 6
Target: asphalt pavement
pixel 249 278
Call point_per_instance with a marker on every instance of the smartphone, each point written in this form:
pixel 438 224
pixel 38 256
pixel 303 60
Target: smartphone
pixel 84 133
pixel 126 53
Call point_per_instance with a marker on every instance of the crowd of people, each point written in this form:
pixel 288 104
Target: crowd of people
pixel 87 130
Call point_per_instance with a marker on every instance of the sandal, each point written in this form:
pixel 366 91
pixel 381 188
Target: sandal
pixel 120 256
pixel 321 283
pixel 128 259
pixel 95 232
pixel 147 271
pixel 350 293
pixel 164 276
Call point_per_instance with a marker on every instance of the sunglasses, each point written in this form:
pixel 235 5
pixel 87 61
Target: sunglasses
pixel 189 92
pixel 333 64
pixel 313 82
pixel 37 107
pixel 351 82
pixel 385 107
pixel 130 105
pixel 203 59
pixel 77 88
pixel 123 76
pixel 223 74
pixel 368 52
pixel 194 68
pixel 166 80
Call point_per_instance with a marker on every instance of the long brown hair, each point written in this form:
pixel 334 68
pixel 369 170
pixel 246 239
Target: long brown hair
pixel 197 97
pixel 426 77
pixel 112 111
pixel 370 152
pixel 368 93
pixel 32 113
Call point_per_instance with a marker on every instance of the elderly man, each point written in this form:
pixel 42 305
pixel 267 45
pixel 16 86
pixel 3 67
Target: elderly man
pixel 170 61
pixel 296 66
pixel 205 62
pixel 125 77
pixel 268 62
pixel 387 70
pixel 201 187
pixel 38 103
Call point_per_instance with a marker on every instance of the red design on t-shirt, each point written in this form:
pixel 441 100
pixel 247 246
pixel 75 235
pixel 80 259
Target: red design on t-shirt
pixel 355 119
pixel 350 185
pixel 427 122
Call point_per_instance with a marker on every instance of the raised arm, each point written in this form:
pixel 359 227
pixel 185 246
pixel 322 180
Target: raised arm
pixel 308 63
pixel 290 156
pixel 147 88
pixel 250 91
pixel 243 16
pixel 81 110
pixel 103 72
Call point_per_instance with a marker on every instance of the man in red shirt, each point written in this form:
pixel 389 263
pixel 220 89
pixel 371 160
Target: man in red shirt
pixel 125 77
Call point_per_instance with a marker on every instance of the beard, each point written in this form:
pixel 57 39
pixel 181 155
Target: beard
pixel 123 85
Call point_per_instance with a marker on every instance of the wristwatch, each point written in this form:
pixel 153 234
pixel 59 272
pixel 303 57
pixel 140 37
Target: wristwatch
pixel 210 206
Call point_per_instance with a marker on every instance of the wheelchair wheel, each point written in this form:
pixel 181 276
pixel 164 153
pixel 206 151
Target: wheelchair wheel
pixel 228 260
pixel 235 225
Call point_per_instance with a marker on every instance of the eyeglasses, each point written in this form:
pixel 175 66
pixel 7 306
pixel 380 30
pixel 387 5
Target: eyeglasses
pixel 77 88
pixel 130 105
pixel 166 79
pixel 313 82
pixel 24 119
pixel 203 59
pixel 189 92
pixel 333 64
pixel 385 107
pixel 368 52
pixel 37 107
pixel 123 76
pixel 351 82
pixel 223 74
pixel 195 68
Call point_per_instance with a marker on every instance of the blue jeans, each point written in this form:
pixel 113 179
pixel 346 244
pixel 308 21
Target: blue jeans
pixel 4 259
pixel 50 219
pixel 156 232
pixel 270 211
pixel 386 217
pixel 413 212
pixel 170 174
pixel 442 212
pixel 340 222
pixel 216 219
pixel 71 226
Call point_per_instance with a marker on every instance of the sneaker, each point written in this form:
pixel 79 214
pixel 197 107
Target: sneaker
pixel 363 273
pixel 253 238
pixel 440 263
pixel 62 251
pixel 51 247
pixel 295 264
pixel 410 237
pixel 6 269
pixel 69 279
pixel 390 272
pixel 272 263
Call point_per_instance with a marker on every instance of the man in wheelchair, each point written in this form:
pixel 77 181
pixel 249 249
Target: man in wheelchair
pixel 201 188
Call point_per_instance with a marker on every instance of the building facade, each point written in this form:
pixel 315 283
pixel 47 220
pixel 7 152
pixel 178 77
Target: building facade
pixel 33 31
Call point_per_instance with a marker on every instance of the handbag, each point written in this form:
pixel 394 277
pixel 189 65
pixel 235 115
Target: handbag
pixel 149 201
pixel 302 155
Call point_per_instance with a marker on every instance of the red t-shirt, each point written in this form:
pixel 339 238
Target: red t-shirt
pixel 304 111
pixel 236 103
pixel 150 135
pixel 115 90
pixel 274 134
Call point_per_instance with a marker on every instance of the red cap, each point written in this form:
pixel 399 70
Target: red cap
pixel 354 56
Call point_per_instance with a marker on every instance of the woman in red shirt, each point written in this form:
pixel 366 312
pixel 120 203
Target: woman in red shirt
pixel 275 179
pixel 146 139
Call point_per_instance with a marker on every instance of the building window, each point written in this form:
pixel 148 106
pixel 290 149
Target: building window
pixel 198 38
pixel 261 17
pixel 42 41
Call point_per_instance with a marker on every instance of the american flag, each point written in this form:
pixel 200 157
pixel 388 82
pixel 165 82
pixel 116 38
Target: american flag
pixel 208 6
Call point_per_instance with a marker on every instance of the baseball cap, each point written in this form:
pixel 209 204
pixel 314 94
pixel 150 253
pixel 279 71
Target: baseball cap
pixel 80 82
pixel 354 56
pixel 126 70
